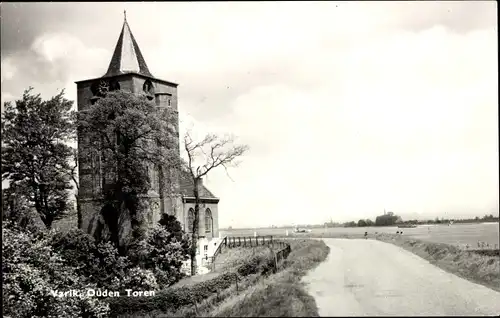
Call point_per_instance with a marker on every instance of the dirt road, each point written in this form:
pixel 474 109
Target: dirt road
pixel 369 277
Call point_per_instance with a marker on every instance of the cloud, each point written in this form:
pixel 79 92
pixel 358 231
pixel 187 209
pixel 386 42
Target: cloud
pixel 8 70
pixel 54 61
pixel 412 127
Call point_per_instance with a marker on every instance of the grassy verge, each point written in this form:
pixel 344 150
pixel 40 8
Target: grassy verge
pixel 238 268
pixel 229 259
pixel 279 295
pixel 257 293
pixel 234 257
pixel 475 267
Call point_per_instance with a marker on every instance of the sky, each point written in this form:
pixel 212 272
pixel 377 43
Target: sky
pixel 348 108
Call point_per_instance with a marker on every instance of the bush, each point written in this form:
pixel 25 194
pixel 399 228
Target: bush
pixel 153 262
pixel 173 298
pixel 262 263
pixel 37 263
pixel 99 263
pixel 139 279
pixel 162 252
pixel 32 271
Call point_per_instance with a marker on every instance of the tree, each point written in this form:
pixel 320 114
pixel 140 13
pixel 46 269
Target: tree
pixel 35 152
pixel 362 223
pixel 202 157
pixel 369 222
pixel 74 177
pixel 386 220
pixel 162 250
pixel 15 208
pixel 350 224
pixel 132 137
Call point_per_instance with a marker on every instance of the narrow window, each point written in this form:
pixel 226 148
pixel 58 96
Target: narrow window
pixel 208 221
pixel 190 220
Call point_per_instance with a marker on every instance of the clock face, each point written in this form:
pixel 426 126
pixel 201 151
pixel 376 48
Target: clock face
pixel 103 88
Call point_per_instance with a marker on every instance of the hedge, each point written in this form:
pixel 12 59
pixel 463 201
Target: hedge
pixel 173 298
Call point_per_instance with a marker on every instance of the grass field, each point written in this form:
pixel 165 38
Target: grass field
pixel 457 234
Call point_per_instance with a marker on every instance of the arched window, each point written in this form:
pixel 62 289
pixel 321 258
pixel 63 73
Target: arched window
pixel 148 89
pixel 190 220
pixel 208 221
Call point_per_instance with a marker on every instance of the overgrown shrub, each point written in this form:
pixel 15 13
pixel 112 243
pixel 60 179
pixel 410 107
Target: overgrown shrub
pixel 99 263
pixel 258 263
pixel 171 299
pixel 32 271
pixel 139 279
pixel 162 251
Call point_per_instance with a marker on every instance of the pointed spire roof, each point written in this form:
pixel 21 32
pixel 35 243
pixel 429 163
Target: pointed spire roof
pixel 127 57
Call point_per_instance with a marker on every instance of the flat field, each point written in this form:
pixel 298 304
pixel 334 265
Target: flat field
pixel 457 234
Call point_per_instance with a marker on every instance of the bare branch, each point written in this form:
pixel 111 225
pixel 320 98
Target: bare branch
pixel 218 154
pixel 227 173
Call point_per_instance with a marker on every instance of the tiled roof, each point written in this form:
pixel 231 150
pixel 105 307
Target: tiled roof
pixel 127 57
pixel 187 187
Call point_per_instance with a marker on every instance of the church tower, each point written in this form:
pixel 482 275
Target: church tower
pixel 127 71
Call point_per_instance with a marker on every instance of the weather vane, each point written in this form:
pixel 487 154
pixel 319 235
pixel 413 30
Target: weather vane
pixel 125 14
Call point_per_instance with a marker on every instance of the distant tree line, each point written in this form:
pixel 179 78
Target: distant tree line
pixel 388 219
pixel 391 219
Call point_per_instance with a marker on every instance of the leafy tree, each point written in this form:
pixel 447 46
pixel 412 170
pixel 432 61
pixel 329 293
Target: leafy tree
pixel 15 207
pixel 162 250
pixel 174 227
pixel 95 262
pixel 204 156
pixel 362 223
pixel 132 137
pixel 32 270
pixel 35 152
pixel 369 222
pixel 386 220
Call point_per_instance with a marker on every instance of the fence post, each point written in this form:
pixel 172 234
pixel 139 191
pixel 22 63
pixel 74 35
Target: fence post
pixel 239 241
pixel 245 241
pixel 275 262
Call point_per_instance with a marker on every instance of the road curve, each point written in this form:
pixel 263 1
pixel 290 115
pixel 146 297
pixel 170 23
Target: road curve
pixel 373 278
